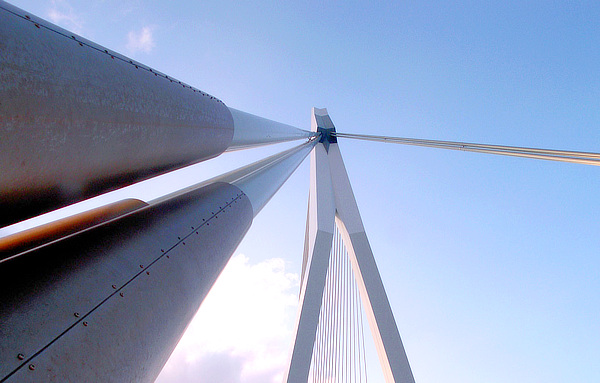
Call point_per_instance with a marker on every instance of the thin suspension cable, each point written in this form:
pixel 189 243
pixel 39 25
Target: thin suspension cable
pixel 337 316
pixel 362 337
pixel 346 307
pixel 326 371
pixel 586 158
pixel 338 351
pixel 352 325
pixel 330 320
pixel 344 316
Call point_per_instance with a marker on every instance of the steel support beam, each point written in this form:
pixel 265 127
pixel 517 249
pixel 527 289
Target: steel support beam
pixel 110 304
pixel 78 119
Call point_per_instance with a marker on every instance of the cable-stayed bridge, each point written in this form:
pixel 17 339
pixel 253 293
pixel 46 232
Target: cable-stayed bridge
pixel 68 264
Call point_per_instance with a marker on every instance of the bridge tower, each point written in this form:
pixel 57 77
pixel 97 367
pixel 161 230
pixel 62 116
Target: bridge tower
pixel 332 208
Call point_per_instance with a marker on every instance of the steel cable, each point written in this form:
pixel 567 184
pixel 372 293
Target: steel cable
pixel 586 158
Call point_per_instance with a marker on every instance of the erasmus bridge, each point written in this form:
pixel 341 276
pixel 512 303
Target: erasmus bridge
pixel 106 294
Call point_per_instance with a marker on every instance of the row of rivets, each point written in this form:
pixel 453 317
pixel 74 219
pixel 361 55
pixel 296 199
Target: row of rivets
pixel 131 62
pixel 21 356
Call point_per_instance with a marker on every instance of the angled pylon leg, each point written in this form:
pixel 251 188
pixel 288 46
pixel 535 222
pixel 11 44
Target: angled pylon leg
pixel 317 251
pixel 392 356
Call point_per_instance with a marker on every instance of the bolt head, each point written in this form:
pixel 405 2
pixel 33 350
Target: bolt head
pixel 20 356
pixel 32 367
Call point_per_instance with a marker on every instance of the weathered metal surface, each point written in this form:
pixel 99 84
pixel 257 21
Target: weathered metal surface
pixel 77 119
pixel 110 304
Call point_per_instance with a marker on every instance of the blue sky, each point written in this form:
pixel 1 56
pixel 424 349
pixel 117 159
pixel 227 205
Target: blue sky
pixel 491 263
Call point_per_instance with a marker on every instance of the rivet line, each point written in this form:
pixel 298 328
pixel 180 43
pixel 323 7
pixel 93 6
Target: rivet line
pixel 112 55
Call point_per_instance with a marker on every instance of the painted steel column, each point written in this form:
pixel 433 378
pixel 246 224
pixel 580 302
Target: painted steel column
pixel 321 220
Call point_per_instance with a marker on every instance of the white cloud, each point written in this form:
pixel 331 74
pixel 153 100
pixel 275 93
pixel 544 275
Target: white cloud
pixel 140 41
pixel 62 14
pixel 243 330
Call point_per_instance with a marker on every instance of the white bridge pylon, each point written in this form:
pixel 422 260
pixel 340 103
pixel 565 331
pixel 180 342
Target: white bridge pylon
pixel 332 203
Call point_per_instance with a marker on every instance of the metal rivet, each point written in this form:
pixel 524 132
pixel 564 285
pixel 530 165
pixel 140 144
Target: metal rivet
pixel 121 294
pixel 27 17
pixel 147 273
pixel 37 26
pixel 20 356
pixel 76 315
pixel 114 287
pixel 32 367
pixel 168 256
pixel 141 266
pixel 85 323
pixel 162 250
pixel 80 44
pixel 178 238
pixel 196 232
pixel 183 243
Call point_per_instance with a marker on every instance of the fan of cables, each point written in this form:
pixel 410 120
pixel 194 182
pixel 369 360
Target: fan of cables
pixel 339 348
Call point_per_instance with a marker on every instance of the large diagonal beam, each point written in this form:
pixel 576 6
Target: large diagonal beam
pixel 78 119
